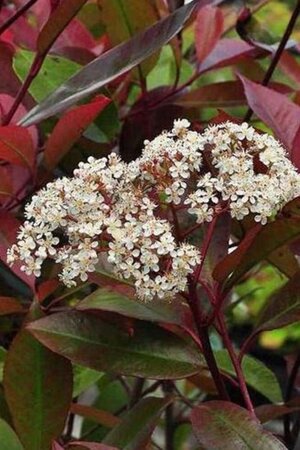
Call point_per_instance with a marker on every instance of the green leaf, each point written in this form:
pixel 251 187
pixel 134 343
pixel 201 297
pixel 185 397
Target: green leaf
pixel 145 350
pixel 102 299
pixel 9 439
pixel 55 71
pixel 283 308
pixel 124 19
pixel 38 390
pixel 226 426
pixel 112 64
pixel 84 378
pixel 138 424
pixel 257 375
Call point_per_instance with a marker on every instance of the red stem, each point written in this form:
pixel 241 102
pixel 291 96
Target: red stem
pixel 205 247
pixel 18 14
pixel 34 70
pixel 235 361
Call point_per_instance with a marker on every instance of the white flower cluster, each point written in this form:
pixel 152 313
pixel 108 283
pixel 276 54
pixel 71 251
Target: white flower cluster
pixel 125 209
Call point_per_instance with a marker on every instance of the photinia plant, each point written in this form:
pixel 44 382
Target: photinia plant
pixel 150 225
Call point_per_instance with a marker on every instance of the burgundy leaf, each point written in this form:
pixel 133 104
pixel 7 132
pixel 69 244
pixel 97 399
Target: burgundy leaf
pixel 16 146
pixel 226 426
pixel 276 110
pixel 226 52
pixel 295 152
pixel 89 446
pixel 10 305
pixel 209 28
pixel 70 127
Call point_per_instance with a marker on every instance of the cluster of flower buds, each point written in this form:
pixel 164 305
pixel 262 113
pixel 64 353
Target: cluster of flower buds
pixel 127 210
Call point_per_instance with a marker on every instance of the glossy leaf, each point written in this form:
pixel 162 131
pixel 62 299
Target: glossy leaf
pixel 265 413
pixel 257 375
pixel 9 439
pixel 70 127
pixel 134 431
pixel 16 146
pixel 38 390
pixel 225 426
pixel 111 64
pixel 208 29
pixel 58 20
pixel 226 52
pixel 225 94
pixel 276 110
pixel 283 308
pixel 54 72
pixel 257 245
pixel 149 351
pixel 131 18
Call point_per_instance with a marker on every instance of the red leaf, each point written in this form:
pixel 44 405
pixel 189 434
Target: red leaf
pixel 290 66
pixel 276 110
pixel 16 146
pixel 226 426
pixel 90 446
pixel 9 305
pixel 225 53
pixel 209 28
pixel 69 129
pixel 46 288
pixel 8 231
pixel 57 22
pixel 295 153
pixel 6 187
pixel 56 446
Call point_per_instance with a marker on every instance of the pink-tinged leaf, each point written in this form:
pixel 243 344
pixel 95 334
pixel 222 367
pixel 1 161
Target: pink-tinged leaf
pixel 265 413
pixel 220 95
pixel 276 110
pixel 16 146
pixel 290 66
pixel 10 305
pixel 226 426
pixel 56 23
pixel 226 52
pixel 209 28
pixel 6 186
pixel 76 43
pixel 112 64
pixel 258 244
pixel 102 417
pixel 70 127
pixel 145 351
pixel 38 390
pixel 228 264
pixel 82 445
pixel 9 227
pixel 6 102
pixel 295 152
pixel 283 308
pixel 23 33
pixel 56 446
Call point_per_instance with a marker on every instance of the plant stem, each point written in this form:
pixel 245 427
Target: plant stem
pixel 169 415
pixel 34 70
pixel 287 398
pixel 15 17
pixel 239 373
pixel 206 345
pixel 136 391
pixel 278 53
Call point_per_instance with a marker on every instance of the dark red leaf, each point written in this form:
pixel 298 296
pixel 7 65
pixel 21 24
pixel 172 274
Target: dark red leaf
pixel 16 146
pixel 295 152
pixel 9 227
pixel 209 28
pixel 9 305
pixel 57 22
pixel 69 129
pixel 265 413
pixel 226 426
pixel 276 110
pixel 82 445
pixel 226 52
